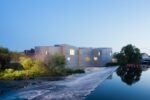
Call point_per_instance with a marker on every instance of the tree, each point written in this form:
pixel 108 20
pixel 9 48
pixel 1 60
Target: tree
pixel 128 54
pixel 4 57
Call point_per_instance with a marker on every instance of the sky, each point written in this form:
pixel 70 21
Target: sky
pixel 83 23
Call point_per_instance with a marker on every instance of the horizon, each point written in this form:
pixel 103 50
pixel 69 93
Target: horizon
pixel 29 23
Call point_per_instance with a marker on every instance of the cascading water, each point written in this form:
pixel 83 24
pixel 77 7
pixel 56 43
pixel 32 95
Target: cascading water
pixel 73 87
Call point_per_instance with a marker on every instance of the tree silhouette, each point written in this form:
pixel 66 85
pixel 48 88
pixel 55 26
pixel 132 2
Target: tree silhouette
pixel 129 75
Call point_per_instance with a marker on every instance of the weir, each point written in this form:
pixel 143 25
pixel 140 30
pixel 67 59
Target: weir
pixel 73 87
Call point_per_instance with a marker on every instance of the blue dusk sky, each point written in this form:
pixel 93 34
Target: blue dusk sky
pixel 86 23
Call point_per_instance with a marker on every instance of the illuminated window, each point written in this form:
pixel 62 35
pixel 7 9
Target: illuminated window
pixel 68 59
pixel 95 58
pixel 87 59
pixel 72 52
pixel 46 52
pixel 99 53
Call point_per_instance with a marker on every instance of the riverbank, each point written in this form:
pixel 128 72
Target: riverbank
pixel 10 74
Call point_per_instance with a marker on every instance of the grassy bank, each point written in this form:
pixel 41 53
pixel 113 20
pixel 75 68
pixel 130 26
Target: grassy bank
pixel 10 74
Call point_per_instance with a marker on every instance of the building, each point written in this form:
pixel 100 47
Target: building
pixel 30 52
pixel 145 59
pixel 75 56
pixel 145 56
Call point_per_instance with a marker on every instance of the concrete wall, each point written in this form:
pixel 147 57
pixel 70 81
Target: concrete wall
pixel 85 57
pixel 44 52
pixel 71 54
pixel 76 57
pixel 105 56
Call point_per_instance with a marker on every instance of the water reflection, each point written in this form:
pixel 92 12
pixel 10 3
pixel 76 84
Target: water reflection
pixel 129 75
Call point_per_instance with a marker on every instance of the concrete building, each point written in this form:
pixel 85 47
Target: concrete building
pixel 145 56
pixel 145 59
pixel 76 56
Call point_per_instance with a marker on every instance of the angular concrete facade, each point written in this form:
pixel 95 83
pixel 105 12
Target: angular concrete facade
pixel 75 56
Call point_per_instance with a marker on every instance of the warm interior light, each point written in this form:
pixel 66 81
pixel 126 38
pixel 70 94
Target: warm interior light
pixel 46 52
pixel 87 59
pixel 72 52
pixel 95 58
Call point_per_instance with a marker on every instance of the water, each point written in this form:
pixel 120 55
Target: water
pixel 125 84
pixel 73 87
pixel 99 84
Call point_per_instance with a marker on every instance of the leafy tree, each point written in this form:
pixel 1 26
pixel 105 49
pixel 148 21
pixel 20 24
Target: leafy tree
pixel 4 57
pixel 128 54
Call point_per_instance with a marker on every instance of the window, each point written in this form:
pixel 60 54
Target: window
pixel 87 59
pixel 110 53
pixel 99 53
pixel 68 59
pixel 95 58
pixel 46 52
pixel 72 52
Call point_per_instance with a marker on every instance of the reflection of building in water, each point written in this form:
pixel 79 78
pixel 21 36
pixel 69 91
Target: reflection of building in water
pixel 110 77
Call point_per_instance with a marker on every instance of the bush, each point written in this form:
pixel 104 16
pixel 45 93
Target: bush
pixel 79 71
pixel 10 74
pixel 4 57
pixel 9 70
pixel 111 64
pixel 39 67
pixel 33 68
pixel 68 71
pixel 27 63
pixel 57 61
pixel 61 71
pixel 15 66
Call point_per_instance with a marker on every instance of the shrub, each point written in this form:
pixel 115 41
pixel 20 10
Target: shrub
pixel 39 67
pixel 27 63
pixel 56 61
pixel 9 70
pixel 4 57
pixel 68 71
pixel 79 71
pixel 33 68
pixel 112 64
pixel 15 66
